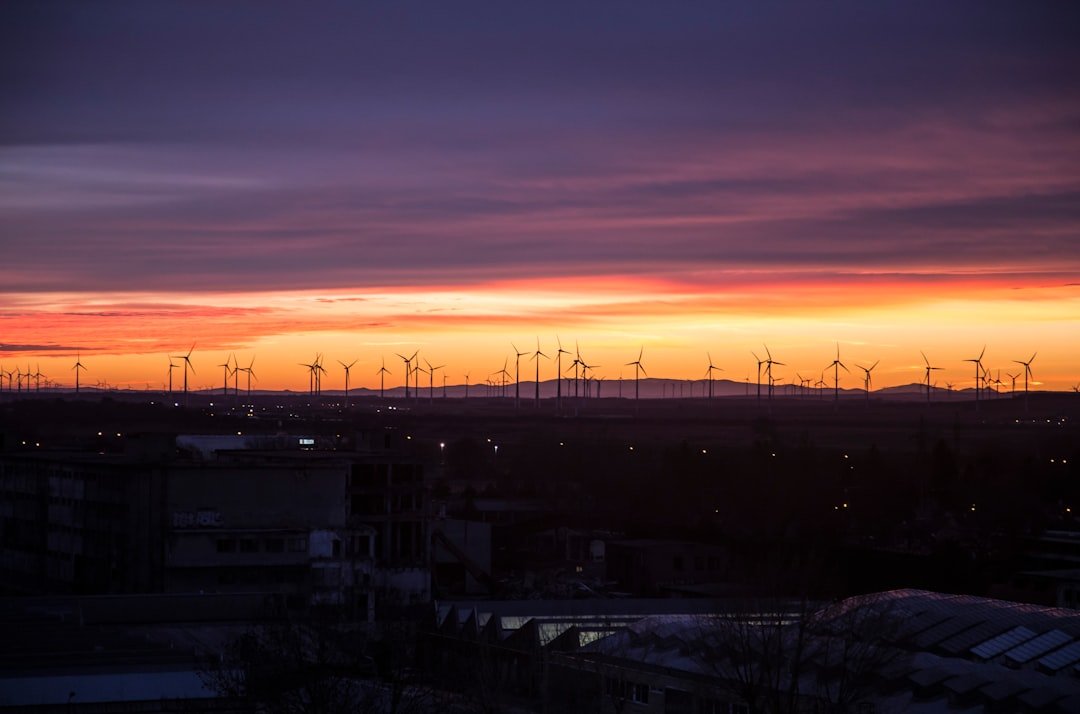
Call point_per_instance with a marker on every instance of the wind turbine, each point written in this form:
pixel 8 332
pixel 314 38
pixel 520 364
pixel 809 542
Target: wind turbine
pixel 978 374
pixel 319 372
pixel 78 365
pixel 408 368
pixel 1027 373
pixel 383 371
pixel 987 383
pixel 517 375
pixel 236 377
pixel 250 370
pixel 504 376
pixel 347 368
pixel 311 377
pixel 759 363
pixel 187 366
pixel 536 356
pixel 431 379
pixel 769 362
pixel 708 373
pixel 575 364
pixel 836 364
pixel 585 377
pixel 225 379
pixel 416 377
pixel 636 364
pixel 867 380
pixel 998 383
pixel 929 369
pixel 467 385
pixel 559 373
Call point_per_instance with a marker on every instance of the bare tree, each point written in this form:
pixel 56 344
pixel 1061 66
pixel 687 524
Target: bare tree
pixel 295 668
pixel 322 665
pixel 775 656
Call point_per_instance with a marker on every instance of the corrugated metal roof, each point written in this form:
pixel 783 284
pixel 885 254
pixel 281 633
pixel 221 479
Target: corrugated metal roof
pixel 943 631
pixel 1002 643
pixel 1046 642
pixel 971 637
pixel 1069 654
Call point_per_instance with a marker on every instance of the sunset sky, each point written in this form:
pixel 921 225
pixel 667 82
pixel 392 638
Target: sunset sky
pixel 364 178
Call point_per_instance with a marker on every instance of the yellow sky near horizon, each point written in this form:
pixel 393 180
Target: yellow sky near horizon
pixel 125 338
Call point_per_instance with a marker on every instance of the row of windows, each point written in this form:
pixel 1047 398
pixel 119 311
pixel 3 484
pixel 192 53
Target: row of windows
pixel 264 545
pixel 629 691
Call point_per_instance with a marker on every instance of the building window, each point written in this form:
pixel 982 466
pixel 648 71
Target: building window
pixel 226 545
pixel 249 545
pixel 619 689
pixel 298 545
pixel 275 545
pixel 677 563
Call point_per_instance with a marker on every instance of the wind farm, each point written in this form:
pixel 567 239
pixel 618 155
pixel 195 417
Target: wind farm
pixel 580 380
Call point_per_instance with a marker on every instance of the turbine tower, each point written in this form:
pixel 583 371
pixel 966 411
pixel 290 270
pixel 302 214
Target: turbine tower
pixel 536 356
pixel 929 369
pixel 250 371
pixel 383 371
pixel 559 373
pixel 319 372
pixel 836 365
pixel 78 365
pixel 431 379
pixel 575 364
pixel 187 366
pixel 708 374
pixel 978 374
pixel 585 377
pixel 225 379
pixel 311 377
pixel 517 375
pixel 408 368
pixel 759 363
pixel 867 381
pixel 347 368
pixel 1027 373
pixel 769 362
pixel 636 364
pixel 504 376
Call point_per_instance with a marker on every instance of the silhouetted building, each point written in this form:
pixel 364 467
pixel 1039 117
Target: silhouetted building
pixel 329 527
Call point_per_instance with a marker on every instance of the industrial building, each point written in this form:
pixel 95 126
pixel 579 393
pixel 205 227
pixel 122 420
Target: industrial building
pixel 220 514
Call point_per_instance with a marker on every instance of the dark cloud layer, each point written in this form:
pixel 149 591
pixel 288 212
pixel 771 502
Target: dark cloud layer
pixel 265 145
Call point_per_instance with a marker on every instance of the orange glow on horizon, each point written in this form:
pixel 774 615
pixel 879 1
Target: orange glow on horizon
pixel 124 339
